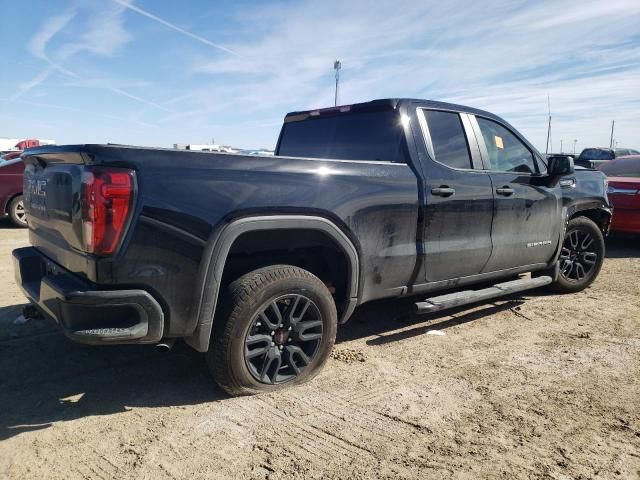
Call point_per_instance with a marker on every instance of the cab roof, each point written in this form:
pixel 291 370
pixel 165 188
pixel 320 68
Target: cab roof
pixel 389 103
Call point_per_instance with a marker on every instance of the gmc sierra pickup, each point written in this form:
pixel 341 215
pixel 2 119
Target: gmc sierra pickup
pixel 256 260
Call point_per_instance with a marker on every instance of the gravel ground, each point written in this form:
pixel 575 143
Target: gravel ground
pixel 536 386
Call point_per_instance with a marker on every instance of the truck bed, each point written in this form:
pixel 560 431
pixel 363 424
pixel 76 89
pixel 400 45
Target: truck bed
pixel 183 198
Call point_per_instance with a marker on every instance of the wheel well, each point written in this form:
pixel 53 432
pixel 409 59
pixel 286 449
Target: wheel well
pixel 601 217
pixel 313 250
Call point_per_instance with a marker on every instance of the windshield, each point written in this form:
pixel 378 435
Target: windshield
pixel 376 135
pixel 596 154
pixel 624 167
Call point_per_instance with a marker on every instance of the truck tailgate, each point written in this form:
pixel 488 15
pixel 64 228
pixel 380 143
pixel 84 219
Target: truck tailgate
pixel 70 202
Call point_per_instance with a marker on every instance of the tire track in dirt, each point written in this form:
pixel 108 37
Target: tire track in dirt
pixel 315 433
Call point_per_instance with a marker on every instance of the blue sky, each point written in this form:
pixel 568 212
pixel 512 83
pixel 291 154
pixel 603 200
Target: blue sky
pixel 162 72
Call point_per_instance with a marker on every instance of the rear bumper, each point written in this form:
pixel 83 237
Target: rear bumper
pixel 86 314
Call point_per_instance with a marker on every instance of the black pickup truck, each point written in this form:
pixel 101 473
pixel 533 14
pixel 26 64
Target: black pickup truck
pixel 256 260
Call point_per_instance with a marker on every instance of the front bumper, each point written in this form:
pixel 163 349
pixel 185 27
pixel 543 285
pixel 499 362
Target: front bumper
pixel 85 313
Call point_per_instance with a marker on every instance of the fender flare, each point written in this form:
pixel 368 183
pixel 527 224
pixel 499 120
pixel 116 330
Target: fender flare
pixel 215 260
pixel 569 212
pixel 601 207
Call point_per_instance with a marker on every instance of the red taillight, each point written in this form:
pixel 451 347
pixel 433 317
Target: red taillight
pixel 106 200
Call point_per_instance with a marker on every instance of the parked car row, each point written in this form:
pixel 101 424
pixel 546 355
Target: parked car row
pixel 11 174
pixel 592 157
pixel 621 165
pixel 623 174
pixel 11 202
pixel 622 168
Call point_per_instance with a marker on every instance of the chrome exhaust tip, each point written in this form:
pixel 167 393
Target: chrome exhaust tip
pixel 165 345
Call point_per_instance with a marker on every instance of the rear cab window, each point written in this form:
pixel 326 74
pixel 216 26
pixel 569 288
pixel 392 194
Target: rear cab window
pixel 376 135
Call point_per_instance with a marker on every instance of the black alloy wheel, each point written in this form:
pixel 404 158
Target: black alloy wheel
pixel 275 328
pixel 579 256
pixel 283 339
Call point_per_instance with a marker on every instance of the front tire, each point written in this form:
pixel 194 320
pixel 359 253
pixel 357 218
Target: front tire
pixel 17 214
pixel 277 328
pixel 581 257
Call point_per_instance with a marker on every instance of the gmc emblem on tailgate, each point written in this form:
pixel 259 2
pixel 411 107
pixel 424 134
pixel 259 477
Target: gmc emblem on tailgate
pixel 36 194
pixel 37 187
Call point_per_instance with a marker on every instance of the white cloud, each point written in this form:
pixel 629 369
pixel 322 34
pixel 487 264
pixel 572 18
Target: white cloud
pixel 144 13
pixel 501 56
pixel 24 87
pixel 38 44
pixel 102 33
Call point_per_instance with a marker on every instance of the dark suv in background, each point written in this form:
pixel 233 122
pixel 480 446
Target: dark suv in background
pixel 592 157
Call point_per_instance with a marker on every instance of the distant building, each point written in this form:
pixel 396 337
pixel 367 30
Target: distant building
pixel 206 147
pixel 9 144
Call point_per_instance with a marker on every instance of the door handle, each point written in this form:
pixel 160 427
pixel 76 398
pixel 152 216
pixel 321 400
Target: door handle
pixel 506 191
pixel 443 191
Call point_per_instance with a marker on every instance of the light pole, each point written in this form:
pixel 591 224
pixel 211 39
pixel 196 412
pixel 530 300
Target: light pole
pixel 549 126
pixel 561 146
pixel 574 146
pixel 613 124
pixel 337 66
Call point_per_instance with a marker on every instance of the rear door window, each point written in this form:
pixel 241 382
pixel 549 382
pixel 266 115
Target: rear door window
pixel 449 141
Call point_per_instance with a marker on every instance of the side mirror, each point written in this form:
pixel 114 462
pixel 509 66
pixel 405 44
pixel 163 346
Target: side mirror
pixel 560 165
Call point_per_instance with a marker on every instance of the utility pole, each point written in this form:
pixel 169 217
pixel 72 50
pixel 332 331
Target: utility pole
pixel 574 145
pixel 613 122
pixel 337 66
pixel 549 126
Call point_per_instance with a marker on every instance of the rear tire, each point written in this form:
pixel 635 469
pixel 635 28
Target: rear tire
pixel 276 328
pixel 581 256
pixel 16 212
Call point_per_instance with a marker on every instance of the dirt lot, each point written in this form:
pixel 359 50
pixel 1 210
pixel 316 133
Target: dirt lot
pixel 538 386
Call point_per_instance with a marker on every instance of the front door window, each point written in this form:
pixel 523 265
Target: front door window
pixel 506 152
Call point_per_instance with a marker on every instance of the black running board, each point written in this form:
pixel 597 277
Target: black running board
pixel 457 299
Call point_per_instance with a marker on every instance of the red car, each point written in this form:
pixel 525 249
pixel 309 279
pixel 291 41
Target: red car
pixel 624 192
pixel 11 203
